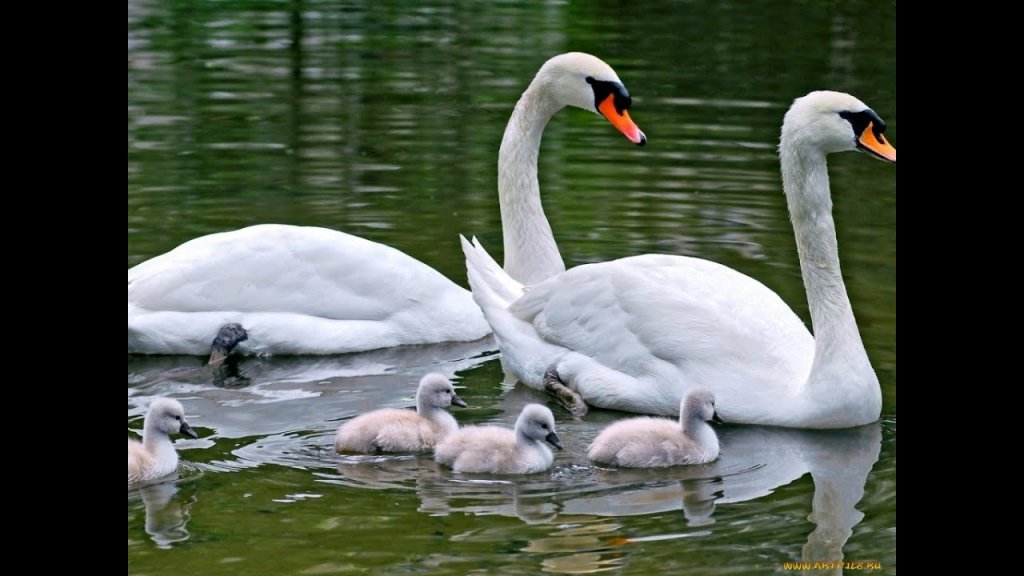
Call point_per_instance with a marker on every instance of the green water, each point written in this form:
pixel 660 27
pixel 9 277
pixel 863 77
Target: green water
pixel 383 120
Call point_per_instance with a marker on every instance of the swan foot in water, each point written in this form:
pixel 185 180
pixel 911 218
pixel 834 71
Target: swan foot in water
pixel 228 337
pixel 569 399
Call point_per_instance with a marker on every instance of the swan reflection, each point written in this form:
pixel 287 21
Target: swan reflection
pixel 168 508
pixel 585 505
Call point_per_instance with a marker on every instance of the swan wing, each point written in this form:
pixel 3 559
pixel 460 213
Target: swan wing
pixel 305 270
pixel 674 319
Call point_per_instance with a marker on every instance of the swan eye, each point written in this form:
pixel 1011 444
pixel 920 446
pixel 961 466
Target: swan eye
pixel 603 88
pixel 861 120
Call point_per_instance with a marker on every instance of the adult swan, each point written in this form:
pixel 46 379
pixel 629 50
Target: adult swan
pixel 305 290
pixel 637 334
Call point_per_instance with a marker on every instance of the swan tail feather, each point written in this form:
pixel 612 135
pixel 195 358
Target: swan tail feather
pixel 492 286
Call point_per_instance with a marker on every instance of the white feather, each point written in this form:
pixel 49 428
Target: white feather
pixel 636 334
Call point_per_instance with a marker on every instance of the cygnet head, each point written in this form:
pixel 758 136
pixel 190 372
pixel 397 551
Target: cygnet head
pixel 585 81
pixel 835 122
pixel 436 391
pixel 699 404
pixel 167 416
pixel 536 423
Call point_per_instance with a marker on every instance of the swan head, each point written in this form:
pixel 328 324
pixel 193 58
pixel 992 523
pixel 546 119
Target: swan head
pixel 168 417
pixel 536 423
pixel 699 404
pixel 837 122
pixel 436 391
pixel 585 81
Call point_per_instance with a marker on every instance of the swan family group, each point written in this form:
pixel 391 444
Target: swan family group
pixel 654 334
pixel 635 442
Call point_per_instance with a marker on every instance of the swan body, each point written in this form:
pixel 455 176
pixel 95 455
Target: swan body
pixel 397 430
pixel 637 334
pixel 498 450
pixel 306 290
pixel 155 456
pixel 647 442
pixel 296 290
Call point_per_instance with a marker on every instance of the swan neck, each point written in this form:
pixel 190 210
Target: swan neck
pixel 695 428
pixel 152 437
pixel 423 407
pixel 531 254
pixel 436 414
pixel 839 355
pixel 156 442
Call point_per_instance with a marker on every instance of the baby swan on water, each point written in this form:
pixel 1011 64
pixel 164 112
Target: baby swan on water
pixel 658 442
pixel 398 430
pixel 155 456
pixel 497 450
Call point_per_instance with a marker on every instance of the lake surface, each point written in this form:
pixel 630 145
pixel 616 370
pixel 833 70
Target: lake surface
pixel 384 120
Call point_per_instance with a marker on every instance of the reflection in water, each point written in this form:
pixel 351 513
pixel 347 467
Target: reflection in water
pixel 754 462
pixel 577 515
pixel 168 508
pixel 583 503
pixel 839 477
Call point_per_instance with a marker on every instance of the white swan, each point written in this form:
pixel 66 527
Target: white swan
pixel 647 442
pixel 155 456
pixel 497 450
pixel 397 430
pixel 636 334
pixel 304 290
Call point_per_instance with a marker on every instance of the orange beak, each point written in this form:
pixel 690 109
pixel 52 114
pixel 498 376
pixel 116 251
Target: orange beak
pixel 876 145
pixel 625 124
